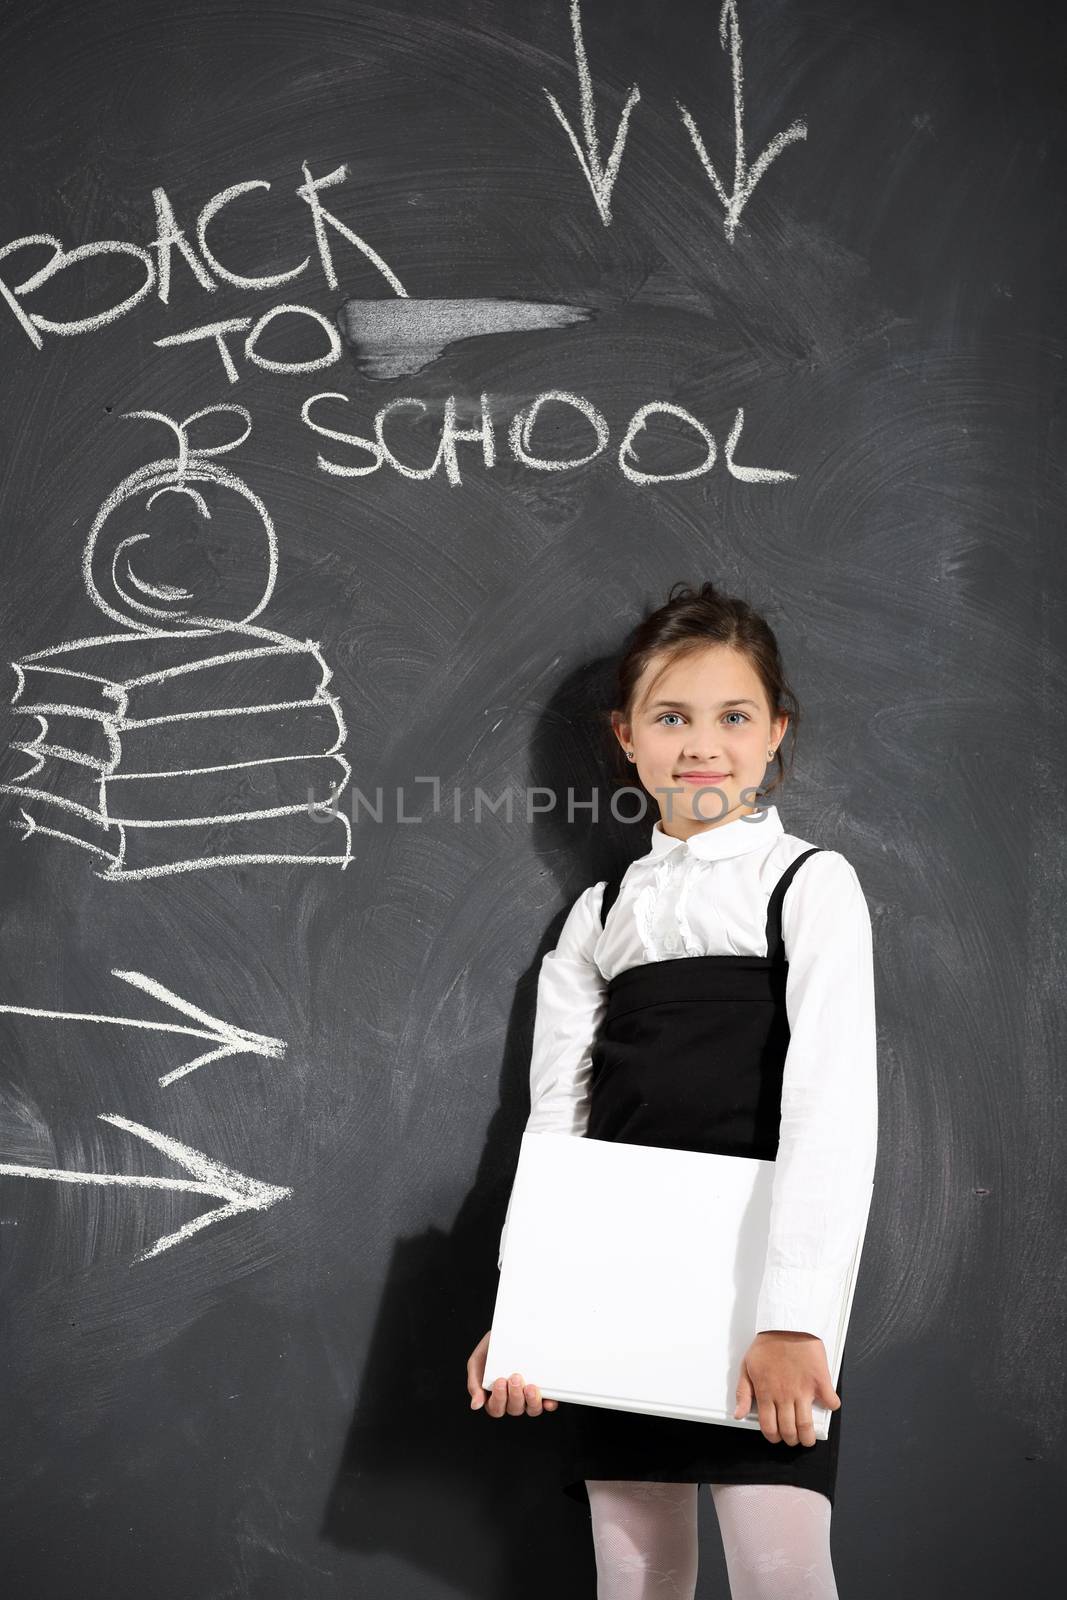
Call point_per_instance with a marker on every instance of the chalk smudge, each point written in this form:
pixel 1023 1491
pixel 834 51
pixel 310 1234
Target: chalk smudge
pixel 397 337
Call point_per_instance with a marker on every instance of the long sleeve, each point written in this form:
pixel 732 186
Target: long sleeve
pixel 571 996
pixel 829 1126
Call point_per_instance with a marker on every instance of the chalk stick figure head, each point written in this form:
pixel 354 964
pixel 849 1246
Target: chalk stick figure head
pixel 183 541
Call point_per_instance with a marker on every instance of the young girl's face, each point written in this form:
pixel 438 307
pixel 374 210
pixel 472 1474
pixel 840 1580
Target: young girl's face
pixel 701 731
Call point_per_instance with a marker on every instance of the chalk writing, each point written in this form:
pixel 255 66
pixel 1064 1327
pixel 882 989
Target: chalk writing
pixel 745 177
pixel 147 739
pixel 230 1039
pixel 380 452
pixel 239 1192
pixel 599 175
pixel 169 237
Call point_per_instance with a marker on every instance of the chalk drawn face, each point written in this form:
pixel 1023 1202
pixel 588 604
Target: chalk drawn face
pixel 182 542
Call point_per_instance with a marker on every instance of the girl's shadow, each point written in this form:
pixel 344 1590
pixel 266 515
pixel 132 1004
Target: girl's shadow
pixel 424 1480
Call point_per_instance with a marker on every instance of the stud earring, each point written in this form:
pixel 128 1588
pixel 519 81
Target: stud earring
pixel 630 755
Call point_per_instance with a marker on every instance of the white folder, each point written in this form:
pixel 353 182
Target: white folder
pixel 630 1277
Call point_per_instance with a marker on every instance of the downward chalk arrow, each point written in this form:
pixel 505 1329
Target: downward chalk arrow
pixel 601 178
pixel 745 177
pixel 232 1041
pixel 239 1192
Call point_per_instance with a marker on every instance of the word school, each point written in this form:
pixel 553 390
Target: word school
pixel 520 431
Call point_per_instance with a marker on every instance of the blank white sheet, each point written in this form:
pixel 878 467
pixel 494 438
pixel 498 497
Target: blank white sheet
pixel 631 1274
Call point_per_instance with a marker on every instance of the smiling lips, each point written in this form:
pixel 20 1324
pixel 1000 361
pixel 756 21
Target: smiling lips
pixel 703 777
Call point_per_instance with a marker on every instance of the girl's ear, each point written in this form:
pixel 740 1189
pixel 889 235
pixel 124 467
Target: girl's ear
pixel 620 729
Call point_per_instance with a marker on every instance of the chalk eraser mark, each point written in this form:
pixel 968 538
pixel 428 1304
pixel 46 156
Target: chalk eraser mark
pixel 398 337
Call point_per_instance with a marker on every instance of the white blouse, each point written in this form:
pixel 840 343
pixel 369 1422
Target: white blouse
pixel 708 895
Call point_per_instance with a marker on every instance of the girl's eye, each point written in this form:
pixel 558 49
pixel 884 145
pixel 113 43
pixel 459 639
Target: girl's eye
pixel 742 714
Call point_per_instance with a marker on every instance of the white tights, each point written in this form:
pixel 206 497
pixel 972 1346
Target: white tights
pixel 776 1539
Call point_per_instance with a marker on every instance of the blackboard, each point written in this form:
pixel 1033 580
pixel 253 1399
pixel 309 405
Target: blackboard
pixel 376 366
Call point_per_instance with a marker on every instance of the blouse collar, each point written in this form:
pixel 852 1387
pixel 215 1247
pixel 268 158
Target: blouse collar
pixel 730 839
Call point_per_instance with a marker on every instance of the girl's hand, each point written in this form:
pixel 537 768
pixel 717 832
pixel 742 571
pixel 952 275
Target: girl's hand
pixel 508 1396
pixel 784 1372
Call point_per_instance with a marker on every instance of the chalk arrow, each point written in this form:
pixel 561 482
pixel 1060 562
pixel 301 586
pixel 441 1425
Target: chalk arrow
pixel 745 177
pixel 238 1192
pixel 600 178
pixel 232 1041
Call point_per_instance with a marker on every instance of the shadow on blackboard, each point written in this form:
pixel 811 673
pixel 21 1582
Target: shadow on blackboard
pixel 474 1499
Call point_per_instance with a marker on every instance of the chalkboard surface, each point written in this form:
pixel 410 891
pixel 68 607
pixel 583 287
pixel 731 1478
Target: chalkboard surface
pixel 366 370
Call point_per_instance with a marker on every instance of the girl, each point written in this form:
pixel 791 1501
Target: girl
pixel 719 997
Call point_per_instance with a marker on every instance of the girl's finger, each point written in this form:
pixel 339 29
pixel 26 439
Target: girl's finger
pixel 498 1398
pixel 805 1425
pixel 516 1398
pixel 768 1421
pixel 787 1421
pixel 828 1395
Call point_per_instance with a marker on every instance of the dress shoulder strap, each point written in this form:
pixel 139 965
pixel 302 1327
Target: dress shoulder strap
pixel 775 944
pixel 611 892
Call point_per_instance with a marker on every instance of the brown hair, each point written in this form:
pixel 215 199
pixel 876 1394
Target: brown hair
pixel 691 620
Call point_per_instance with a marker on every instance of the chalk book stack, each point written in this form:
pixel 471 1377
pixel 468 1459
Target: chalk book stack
pixel 160 750
pixel 630 1277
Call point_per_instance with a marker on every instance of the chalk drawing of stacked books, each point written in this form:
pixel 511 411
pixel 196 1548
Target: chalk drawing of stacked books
pixel 194 737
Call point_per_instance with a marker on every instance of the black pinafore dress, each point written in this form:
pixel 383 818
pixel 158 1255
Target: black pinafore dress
pixel 689 1055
